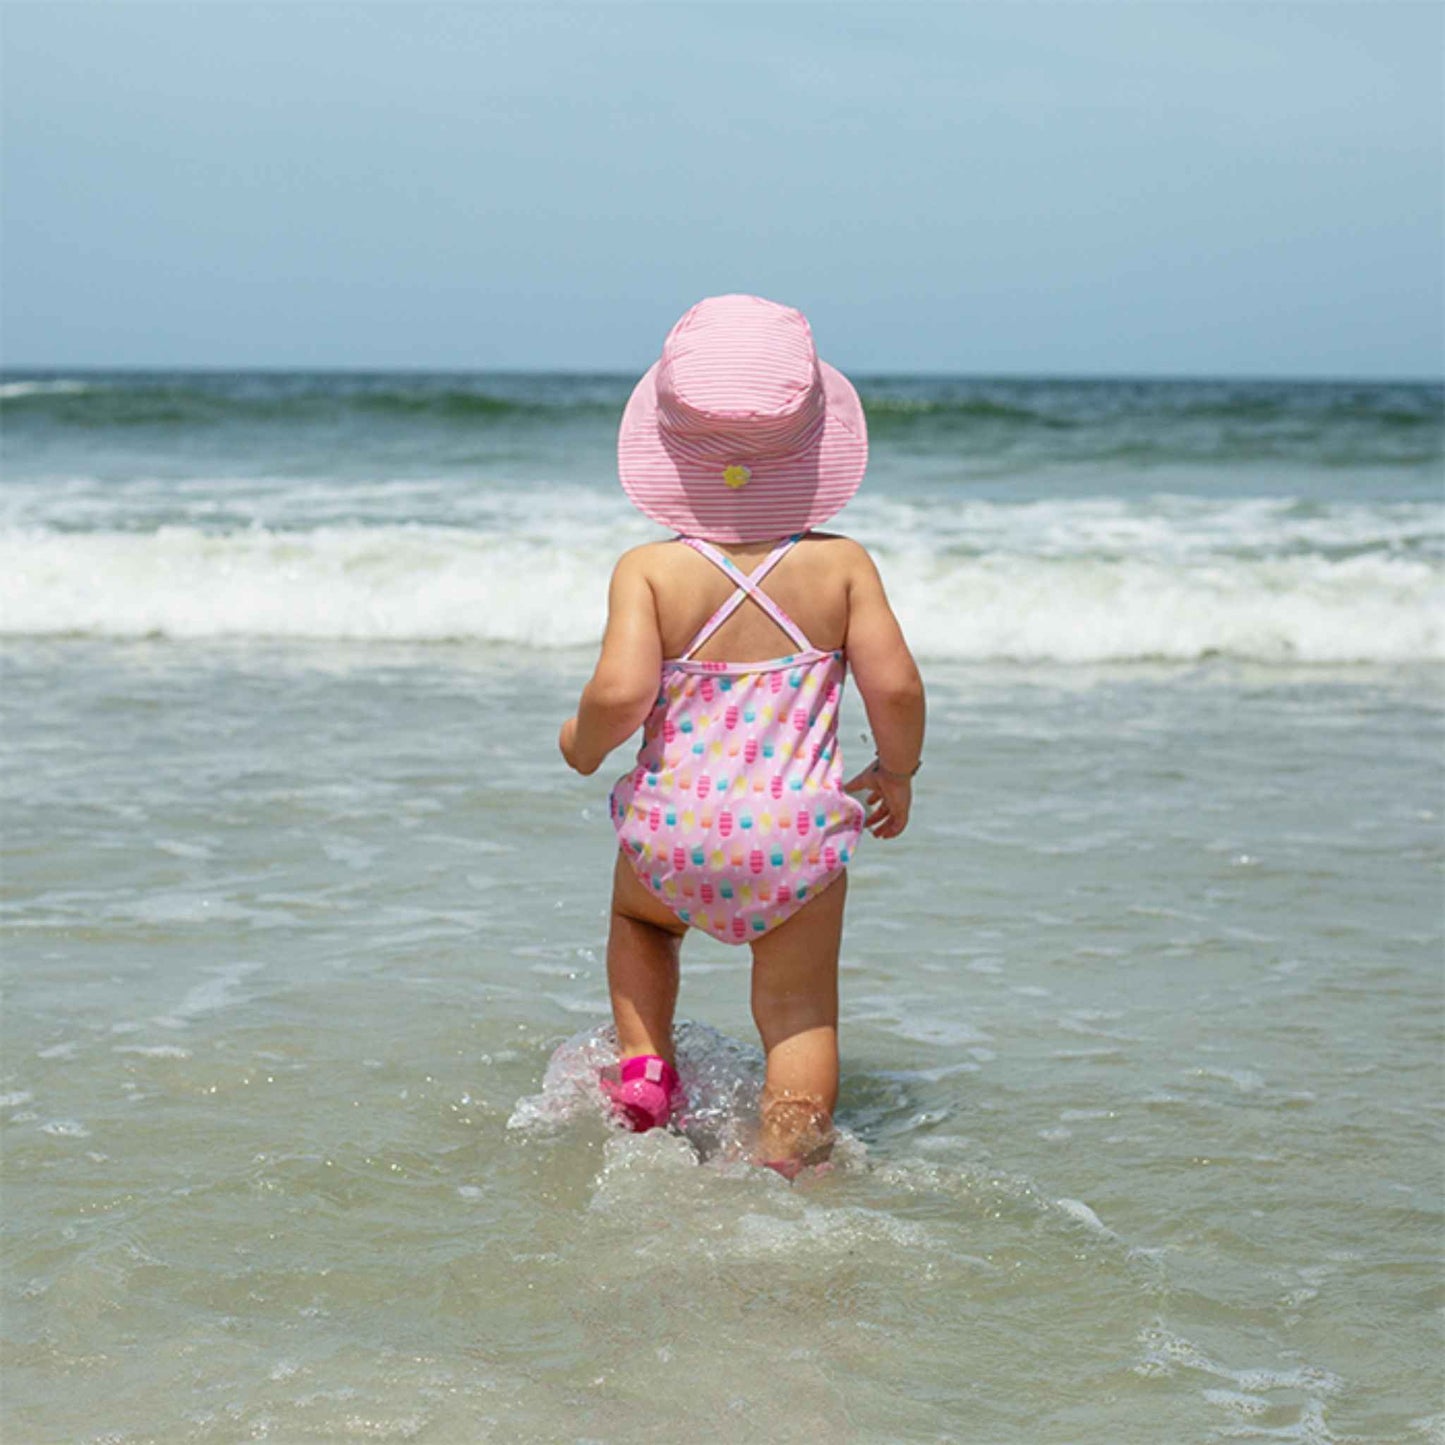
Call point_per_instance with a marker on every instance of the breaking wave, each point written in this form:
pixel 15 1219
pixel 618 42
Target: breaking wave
pixel 1067 581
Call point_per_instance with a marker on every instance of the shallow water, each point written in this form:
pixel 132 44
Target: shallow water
pixel 303 924
pixel 1141 1092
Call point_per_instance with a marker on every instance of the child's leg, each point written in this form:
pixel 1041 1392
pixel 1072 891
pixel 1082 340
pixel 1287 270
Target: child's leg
pixel 795 1006
pixel 642 966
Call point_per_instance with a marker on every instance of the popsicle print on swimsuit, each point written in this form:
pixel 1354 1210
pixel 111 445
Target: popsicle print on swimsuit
pixel 734 814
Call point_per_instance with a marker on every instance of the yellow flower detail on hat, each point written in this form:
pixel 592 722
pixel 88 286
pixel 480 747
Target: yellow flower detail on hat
pixel 736 477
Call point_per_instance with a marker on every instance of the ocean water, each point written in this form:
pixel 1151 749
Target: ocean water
pixel 303 921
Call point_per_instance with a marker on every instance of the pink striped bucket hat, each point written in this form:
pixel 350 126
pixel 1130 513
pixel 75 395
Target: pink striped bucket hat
pixel 739 433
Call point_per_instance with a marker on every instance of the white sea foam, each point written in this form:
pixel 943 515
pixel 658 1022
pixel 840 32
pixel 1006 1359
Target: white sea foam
pixel 376 583
pixel 1077 1209
pixel 217 992
pixel 15 390
pixel 66 1129
pixel 1165 1353
pixel 1093 580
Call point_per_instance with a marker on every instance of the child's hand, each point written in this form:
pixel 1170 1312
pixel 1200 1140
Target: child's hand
pixel 567 741
pixel 889 799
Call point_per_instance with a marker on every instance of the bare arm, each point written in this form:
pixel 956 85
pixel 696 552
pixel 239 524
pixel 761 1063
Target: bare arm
pixel 623 686
pixel 892 692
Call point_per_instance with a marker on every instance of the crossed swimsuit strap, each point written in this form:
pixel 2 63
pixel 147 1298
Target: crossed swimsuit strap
pixel 747 585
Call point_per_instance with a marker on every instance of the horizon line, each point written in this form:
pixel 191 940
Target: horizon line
pixel 1315 378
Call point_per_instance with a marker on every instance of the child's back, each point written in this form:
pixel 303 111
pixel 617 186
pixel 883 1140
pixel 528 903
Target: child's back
pixel 810 584
pixel 827 584
pixel 735 814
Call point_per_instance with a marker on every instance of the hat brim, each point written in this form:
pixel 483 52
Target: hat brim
pixel 784 493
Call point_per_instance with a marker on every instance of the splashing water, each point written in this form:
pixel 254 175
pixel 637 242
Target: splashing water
pixel 722 1078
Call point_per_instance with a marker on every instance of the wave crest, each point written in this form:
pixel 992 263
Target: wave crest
pixel 441 583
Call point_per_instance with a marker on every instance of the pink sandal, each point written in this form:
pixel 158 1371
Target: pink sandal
pixel 788 1168
pixel 648 1095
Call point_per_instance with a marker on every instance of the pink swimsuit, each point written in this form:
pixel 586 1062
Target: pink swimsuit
pixel 735 814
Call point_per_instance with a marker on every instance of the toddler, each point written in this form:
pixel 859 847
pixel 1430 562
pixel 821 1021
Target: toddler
pixel 729 646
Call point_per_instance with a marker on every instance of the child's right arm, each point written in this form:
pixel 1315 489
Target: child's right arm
pixel 616 702
pixel 892 693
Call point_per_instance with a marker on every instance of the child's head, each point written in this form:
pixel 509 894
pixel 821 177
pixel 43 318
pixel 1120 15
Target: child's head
pixel 739 433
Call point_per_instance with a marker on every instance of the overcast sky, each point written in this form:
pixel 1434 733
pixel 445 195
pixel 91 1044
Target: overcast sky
pixel 1089 188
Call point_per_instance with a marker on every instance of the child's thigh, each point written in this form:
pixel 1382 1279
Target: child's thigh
pixel 795 966
pixel 631 899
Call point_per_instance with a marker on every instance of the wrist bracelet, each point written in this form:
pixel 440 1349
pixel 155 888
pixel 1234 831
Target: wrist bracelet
pixel 893 773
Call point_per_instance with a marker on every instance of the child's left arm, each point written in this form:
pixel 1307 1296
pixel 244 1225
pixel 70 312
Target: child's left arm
pixel 615 703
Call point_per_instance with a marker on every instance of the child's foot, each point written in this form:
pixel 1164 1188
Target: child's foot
pixel 794 1133
pixel 791 1168
pixel 648 1094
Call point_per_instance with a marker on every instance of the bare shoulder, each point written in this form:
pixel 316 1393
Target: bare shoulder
pixel 837 546
pixel 646 561
pixel 846 559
